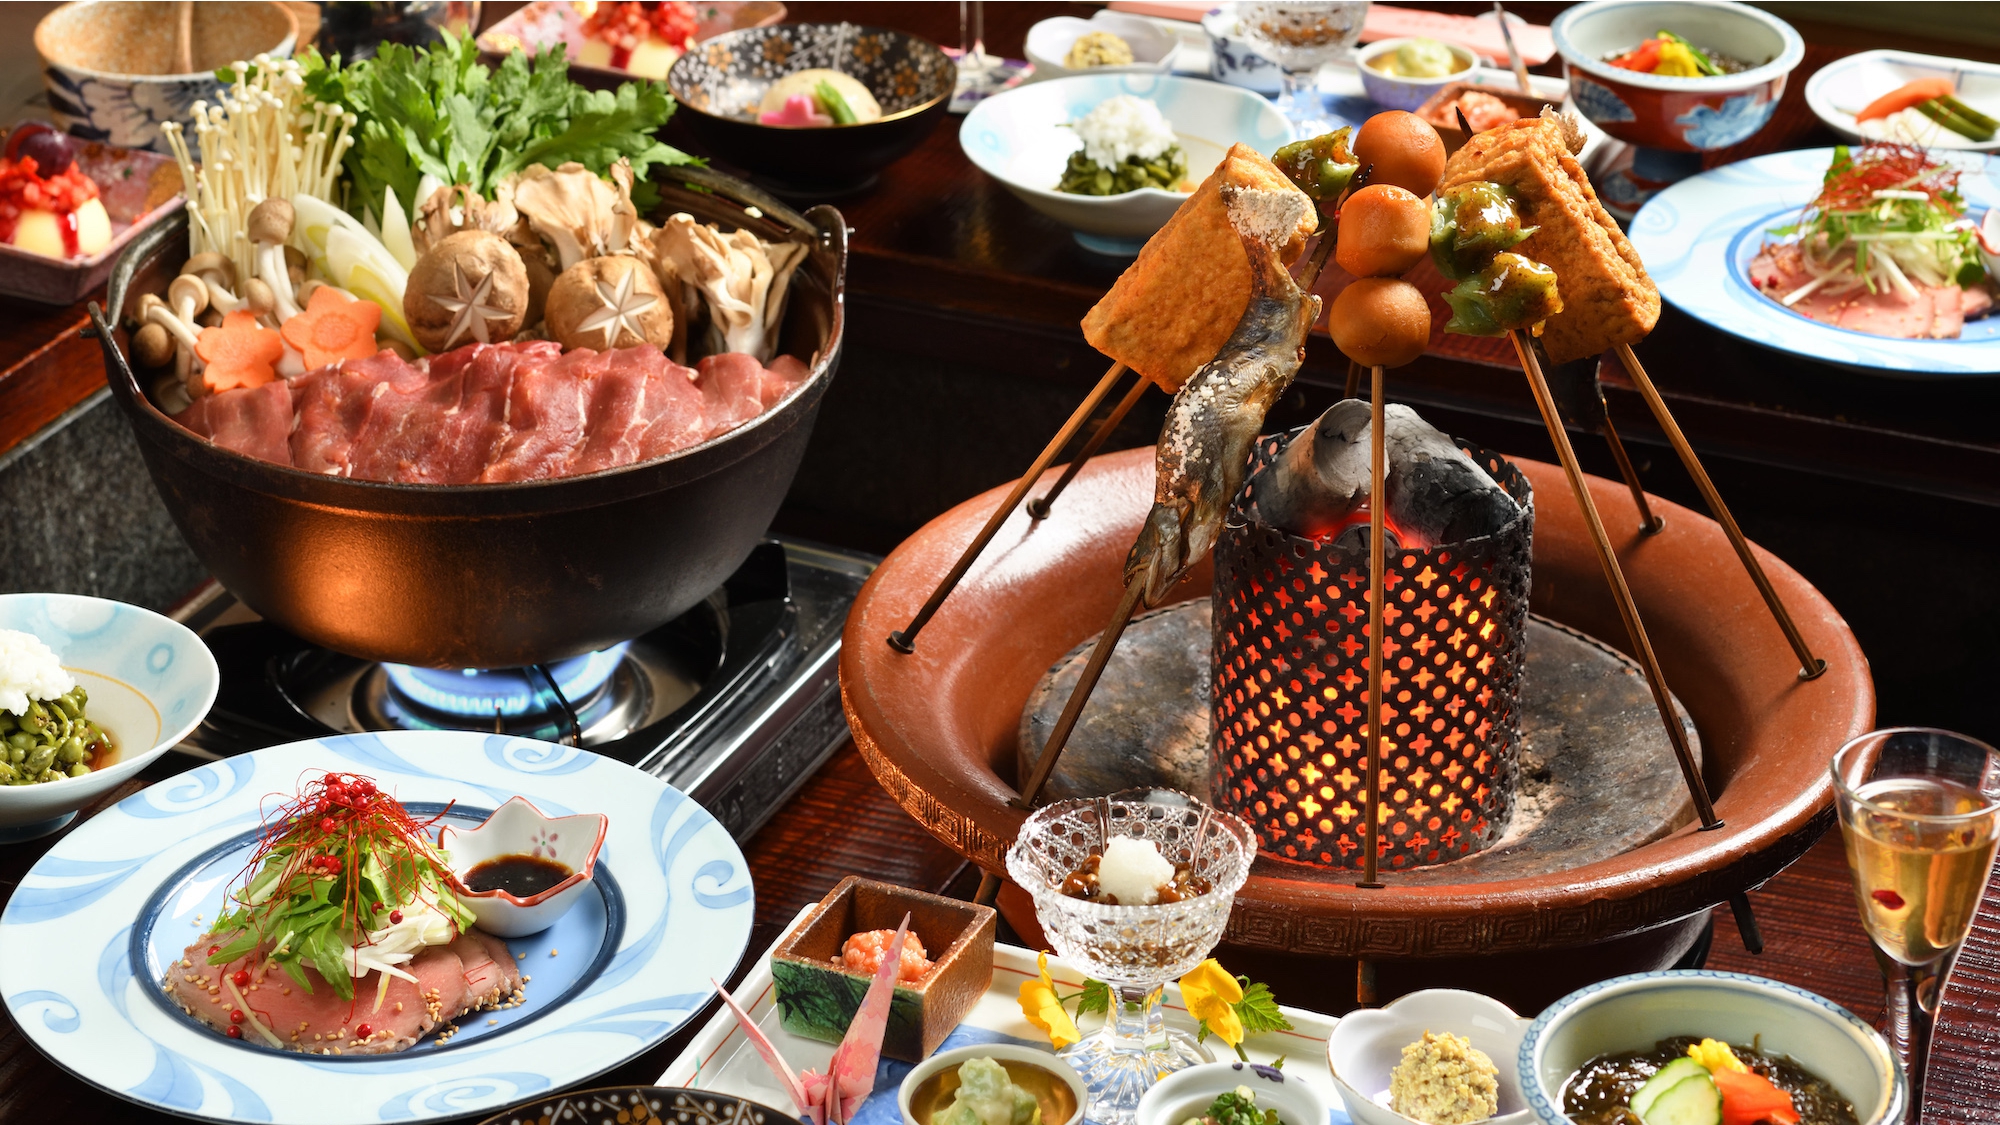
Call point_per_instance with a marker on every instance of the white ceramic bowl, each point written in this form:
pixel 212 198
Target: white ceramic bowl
pixel 1391 91
pixel 1632 1013
pixel 1188 1093
pixel 1232 60
pixel 1153 48
pixel 150 681
pixel 519 828
pixel 1020 138
pixel 1001 1053
pixel 1367 1044
pixel 1844 86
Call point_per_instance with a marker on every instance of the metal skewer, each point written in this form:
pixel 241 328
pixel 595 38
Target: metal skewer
pixel 1628 610
pixel 1649 522
pixel 1377 554
pixel 905 639
pixel 1810 666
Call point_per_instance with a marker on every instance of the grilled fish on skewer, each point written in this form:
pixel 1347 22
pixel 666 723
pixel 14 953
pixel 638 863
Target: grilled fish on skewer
pixel 1215 417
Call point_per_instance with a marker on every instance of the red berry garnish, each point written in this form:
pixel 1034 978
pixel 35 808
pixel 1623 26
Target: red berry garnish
pixel 214 949
pixel 235 1015
pixel 233 1031
pixel 363 1031
pixel 395 916
pixel 241 977
pixel 326 824
pixel 1890 899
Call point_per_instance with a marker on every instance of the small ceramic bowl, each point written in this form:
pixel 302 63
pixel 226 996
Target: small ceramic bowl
pixel 1231 60
pixel 1049 41
pixel 1392 91
pixel 1367 1044
pixel 150 680
pixel 1632 1013
pixel 519 828
pixel 108 66
pixel 1057 1087
pixel 1021 138
pixel 1841 88
pixel 1676 114
pixel 721 82
pixel 1187 1094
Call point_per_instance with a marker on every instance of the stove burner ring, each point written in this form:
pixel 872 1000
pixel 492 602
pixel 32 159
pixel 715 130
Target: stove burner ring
pixel 505 693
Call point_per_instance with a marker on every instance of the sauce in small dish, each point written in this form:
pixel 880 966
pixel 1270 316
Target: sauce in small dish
pixel 523 876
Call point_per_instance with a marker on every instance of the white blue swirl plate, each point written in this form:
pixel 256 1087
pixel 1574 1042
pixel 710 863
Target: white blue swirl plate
pixel 150 682
pixel 86 939
pixel 1022 139
pixel 1698 236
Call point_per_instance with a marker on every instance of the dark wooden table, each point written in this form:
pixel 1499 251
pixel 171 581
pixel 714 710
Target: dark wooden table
pixel 948 267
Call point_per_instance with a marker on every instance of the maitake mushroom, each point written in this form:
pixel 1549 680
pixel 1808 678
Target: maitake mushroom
pixel 610 302
pixel 469 288
pixel 742 279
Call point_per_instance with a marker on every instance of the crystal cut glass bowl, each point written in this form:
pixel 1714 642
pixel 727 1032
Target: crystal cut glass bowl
pixel 1134 949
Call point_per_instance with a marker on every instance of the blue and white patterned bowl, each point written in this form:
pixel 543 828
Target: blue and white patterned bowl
pixel 104 64
pixel 1020 139
pixel 1231 59
pixel 1697 238
pixel 150 681
pixel 87 937
pixel 1632 1013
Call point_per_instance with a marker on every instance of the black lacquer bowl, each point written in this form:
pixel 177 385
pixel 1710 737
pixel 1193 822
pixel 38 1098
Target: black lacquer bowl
pixel 720 83
pixel 498 575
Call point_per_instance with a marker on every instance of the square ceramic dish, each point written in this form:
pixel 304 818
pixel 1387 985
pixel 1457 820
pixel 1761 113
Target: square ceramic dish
pixel 818 999
pixel 1446 122
pixel 138 188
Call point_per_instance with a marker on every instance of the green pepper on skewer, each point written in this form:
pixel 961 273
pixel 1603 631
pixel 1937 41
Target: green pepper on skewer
pixel 1470 223
pixel 1320 166
pixel 1511 292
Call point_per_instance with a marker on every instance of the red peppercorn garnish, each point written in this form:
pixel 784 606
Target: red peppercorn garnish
pixel 235 1015
pixel 233 1031
pixel 241 977
pixel 395 917
pixel 363 1031
pixel 1890 899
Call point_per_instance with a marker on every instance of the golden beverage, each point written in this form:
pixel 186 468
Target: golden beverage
pixel 1920 862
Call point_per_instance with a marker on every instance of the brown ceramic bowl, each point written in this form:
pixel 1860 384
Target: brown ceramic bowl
pixel 110 69
pixel 817 998
pixel 939 727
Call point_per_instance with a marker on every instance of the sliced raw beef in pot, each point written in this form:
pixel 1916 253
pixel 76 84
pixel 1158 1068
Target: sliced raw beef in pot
pixel 617 409
pixel 731 390
pixel 545 417
pixel 674 418
pixel 253 421
pixel 332 405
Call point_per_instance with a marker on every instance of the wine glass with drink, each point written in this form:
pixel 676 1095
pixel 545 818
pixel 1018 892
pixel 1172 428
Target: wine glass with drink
pixel 1301 36
pixel 1920 812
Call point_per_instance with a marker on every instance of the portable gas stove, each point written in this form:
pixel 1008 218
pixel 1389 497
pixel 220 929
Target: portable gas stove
pixel 735 702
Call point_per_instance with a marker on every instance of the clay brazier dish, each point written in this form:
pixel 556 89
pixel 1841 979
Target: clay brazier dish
pixel 817 998
pixel 938 726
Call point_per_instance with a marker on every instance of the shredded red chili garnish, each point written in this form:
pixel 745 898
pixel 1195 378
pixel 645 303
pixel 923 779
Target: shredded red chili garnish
pixel 1887 166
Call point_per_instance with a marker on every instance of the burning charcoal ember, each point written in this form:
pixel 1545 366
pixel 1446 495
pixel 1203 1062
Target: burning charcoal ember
pixel 1318 487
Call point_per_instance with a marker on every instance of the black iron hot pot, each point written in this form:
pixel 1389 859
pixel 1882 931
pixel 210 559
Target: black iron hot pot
pixel 501 575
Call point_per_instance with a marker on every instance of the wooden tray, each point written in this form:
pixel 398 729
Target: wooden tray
pixel 722 1060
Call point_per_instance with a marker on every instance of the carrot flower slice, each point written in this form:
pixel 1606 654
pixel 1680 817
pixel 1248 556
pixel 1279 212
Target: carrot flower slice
pixel 333 327
pixel 240 353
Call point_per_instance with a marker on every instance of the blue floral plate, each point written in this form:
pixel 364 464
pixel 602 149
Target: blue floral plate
pixel 1698 236
pixel 87 938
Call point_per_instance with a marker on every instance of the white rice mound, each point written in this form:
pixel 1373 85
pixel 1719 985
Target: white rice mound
pixel 1124 127
pixel 29 670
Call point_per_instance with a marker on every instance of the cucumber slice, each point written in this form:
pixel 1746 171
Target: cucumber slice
pixel 1691 1101
pixel 1664 1079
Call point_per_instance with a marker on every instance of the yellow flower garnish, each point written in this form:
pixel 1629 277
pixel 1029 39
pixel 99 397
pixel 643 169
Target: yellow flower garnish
pixel 1211 994
pixel 1041 1007
pixel 1716 1056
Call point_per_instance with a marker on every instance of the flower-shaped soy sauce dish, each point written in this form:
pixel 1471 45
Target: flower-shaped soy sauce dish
pixel 521 870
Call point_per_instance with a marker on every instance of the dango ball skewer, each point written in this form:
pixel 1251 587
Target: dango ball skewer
pixel 1384 230
pixel 1404 149
pixel 1380 322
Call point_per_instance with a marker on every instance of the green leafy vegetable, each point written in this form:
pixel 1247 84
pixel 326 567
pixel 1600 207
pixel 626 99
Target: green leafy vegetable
pixel 1085 176
pixel 1259 1009
pixel 1095 997
pixel 439 111
pixel 1236 1107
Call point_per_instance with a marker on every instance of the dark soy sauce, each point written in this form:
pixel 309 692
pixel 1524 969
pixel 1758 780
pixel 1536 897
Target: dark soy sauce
pixel 523 876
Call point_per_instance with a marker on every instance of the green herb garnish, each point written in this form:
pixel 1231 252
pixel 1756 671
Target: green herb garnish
pixel 835 106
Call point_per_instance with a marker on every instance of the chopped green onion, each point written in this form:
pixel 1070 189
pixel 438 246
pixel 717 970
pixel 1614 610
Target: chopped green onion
pixel 836 106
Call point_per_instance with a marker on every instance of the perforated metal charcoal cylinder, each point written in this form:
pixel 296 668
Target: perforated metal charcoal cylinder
pixel 1290 676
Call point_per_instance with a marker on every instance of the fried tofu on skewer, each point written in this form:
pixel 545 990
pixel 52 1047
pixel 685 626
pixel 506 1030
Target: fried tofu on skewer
pixel 1607 297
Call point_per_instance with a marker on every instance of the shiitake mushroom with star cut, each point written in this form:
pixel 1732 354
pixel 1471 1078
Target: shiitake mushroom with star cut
pixel 608 302
pixel 470 288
